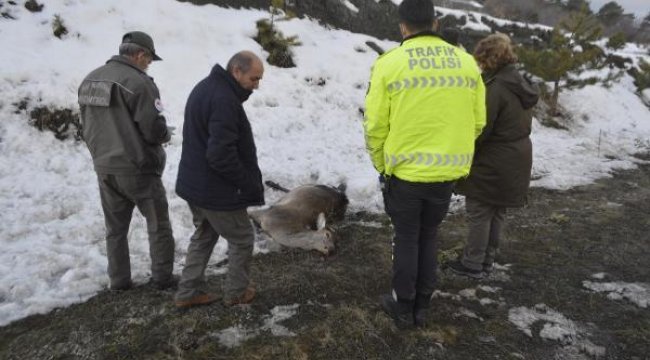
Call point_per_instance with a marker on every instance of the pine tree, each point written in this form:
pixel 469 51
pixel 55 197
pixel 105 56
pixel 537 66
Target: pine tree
pixel 578 6
pixel 610 13
pixel 643 34
pixel 617 41
pixel 568 50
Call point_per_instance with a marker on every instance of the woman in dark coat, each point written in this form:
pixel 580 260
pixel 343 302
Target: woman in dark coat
pixel 503 155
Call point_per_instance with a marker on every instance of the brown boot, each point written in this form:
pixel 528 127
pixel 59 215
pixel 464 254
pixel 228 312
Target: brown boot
pixel 202 299
pixel 245 298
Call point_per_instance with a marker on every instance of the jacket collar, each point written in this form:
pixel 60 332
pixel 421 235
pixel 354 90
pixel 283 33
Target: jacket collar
pixel 241 93
pixel 511 79
pixel 126 61
pixel 489 76
pixel 421 33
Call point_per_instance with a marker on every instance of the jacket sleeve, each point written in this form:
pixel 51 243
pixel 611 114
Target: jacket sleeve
pixel 222 152
pixel 479 108
pixel 493 108
pixel 147 115
pixel 376 116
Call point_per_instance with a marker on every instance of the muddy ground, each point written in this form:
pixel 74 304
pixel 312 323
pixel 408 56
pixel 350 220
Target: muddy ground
pixel 561 240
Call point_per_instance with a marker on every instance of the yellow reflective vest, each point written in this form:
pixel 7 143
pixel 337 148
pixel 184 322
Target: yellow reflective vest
pixel 424 108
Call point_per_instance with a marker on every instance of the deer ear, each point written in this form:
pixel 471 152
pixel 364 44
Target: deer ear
pixel 321 222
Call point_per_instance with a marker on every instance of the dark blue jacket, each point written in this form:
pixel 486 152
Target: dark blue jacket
pixel 218 168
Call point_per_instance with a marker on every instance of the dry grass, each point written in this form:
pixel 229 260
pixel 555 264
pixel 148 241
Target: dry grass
pixel 603 228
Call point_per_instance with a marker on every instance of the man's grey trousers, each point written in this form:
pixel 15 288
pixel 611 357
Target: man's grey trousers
pixel 236 228
pixel 120 194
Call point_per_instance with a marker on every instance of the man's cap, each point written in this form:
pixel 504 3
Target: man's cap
pixel 416 11
pixel 142 39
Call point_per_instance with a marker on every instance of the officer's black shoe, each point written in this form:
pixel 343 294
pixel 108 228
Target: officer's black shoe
pixel 458 268
pixel 400 311
pixel 422 303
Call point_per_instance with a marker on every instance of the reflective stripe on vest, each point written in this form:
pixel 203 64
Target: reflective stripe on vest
pixel 432 81
pixel 428 159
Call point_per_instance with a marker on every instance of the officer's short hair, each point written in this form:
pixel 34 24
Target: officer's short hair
pixel 130 49
pixel 417 15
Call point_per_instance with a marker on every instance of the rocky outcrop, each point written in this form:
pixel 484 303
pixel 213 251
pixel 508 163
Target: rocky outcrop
pixel 378 18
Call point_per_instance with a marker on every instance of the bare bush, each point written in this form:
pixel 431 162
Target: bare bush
pixel 64 123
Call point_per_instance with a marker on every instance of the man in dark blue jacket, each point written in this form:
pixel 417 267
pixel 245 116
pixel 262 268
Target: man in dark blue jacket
pixel 219 177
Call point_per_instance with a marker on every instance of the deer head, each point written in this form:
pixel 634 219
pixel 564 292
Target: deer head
pixel 324 236
pixel 321 239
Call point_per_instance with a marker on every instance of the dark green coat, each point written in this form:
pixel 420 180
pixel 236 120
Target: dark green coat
pixel 503 158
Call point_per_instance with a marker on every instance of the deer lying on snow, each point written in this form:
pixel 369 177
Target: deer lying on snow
pixel 300 218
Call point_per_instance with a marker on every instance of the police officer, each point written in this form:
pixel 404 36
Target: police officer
pixel 424 108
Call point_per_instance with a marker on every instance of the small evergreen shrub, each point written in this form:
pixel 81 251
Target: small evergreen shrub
pixel 276 44
pixel 617 41
pixel 641 75
pixel 58 27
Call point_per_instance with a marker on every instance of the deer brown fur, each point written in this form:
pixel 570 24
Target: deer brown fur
pixel 301 218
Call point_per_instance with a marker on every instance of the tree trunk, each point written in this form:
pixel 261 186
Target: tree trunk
pixel 554 98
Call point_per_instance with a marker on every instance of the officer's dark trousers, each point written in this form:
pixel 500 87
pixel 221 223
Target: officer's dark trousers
pixel 416 210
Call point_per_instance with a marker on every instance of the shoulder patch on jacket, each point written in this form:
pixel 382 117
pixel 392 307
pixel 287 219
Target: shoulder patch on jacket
pixel 95 93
